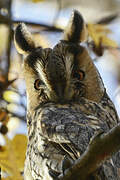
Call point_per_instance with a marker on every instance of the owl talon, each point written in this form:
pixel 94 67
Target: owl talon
pixel 66 163
pixel 54 174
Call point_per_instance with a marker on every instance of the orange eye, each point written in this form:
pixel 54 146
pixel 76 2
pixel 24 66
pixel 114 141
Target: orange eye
pixel 37 84
pixel 79 75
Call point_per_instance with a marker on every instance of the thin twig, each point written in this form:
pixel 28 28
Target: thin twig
pixel 108 19
pixel 9 38
pixel 5 20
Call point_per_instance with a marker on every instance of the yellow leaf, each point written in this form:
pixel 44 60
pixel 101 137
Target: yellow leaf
pixel 99 33
pixel 109 42
pixel 12 156
pixel 35 1
pixel 101 28
pixel 11 96
pixel 93 34
pixel 12 178
pixel 5 164
pixel 19 144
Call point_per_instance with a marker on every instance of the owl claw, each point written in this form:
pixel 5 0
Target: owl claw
pixel 66 163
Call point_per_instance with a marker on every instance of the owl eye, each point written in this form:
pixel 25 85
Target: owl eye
pixel 37 84
pixel 79 75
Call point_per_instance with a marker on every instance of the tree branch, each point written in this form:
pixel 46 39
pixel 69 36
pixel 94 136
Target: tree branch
pixel 108 19
pixel 101 147
pixel 9 38
pixel 5 20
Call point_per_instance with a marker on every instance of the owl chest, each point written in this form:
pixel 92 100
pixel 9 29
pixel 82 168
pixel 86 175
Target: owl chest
pixel 43 158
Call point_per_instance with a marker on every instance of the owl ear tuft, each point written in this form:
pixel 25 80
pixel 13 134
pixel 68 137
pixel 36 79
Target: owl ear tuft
pixel 75 31
pixel 23 39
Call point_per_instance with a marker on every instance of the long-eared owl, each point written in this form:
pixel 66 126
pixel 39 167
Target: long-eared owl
pixel 66 103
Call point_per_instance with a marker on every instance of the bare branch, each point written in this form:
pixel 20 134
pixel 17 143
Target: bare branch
pixel 108 19
pixel 5 20
pixel 101 147
pixel 9 37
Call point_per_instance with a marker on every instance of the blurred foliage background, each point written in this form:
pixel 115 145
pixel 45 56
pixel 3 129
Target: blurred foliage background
pixel 46 19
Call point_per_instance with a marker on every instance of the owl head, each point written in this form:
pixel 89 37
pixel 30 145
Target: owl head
pixel 60 74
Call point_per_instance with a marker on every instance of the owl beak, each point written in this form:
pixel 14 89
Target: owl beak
pixel 59 94
pixel 56 93
pixel 59 91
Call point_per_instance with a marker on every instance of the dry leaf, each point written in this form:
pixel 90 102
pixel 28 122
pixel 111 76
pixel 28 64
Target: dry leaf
pixel 4 117
pixel 4 84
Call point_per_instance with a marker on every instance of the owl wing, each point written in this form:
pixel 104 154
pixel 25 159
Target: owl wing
pixel 72 127
pixel 74 135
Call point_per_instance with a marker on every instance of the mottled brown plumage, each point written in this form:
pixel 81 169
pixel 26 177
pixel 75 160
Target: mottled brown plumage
pixel 66 104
